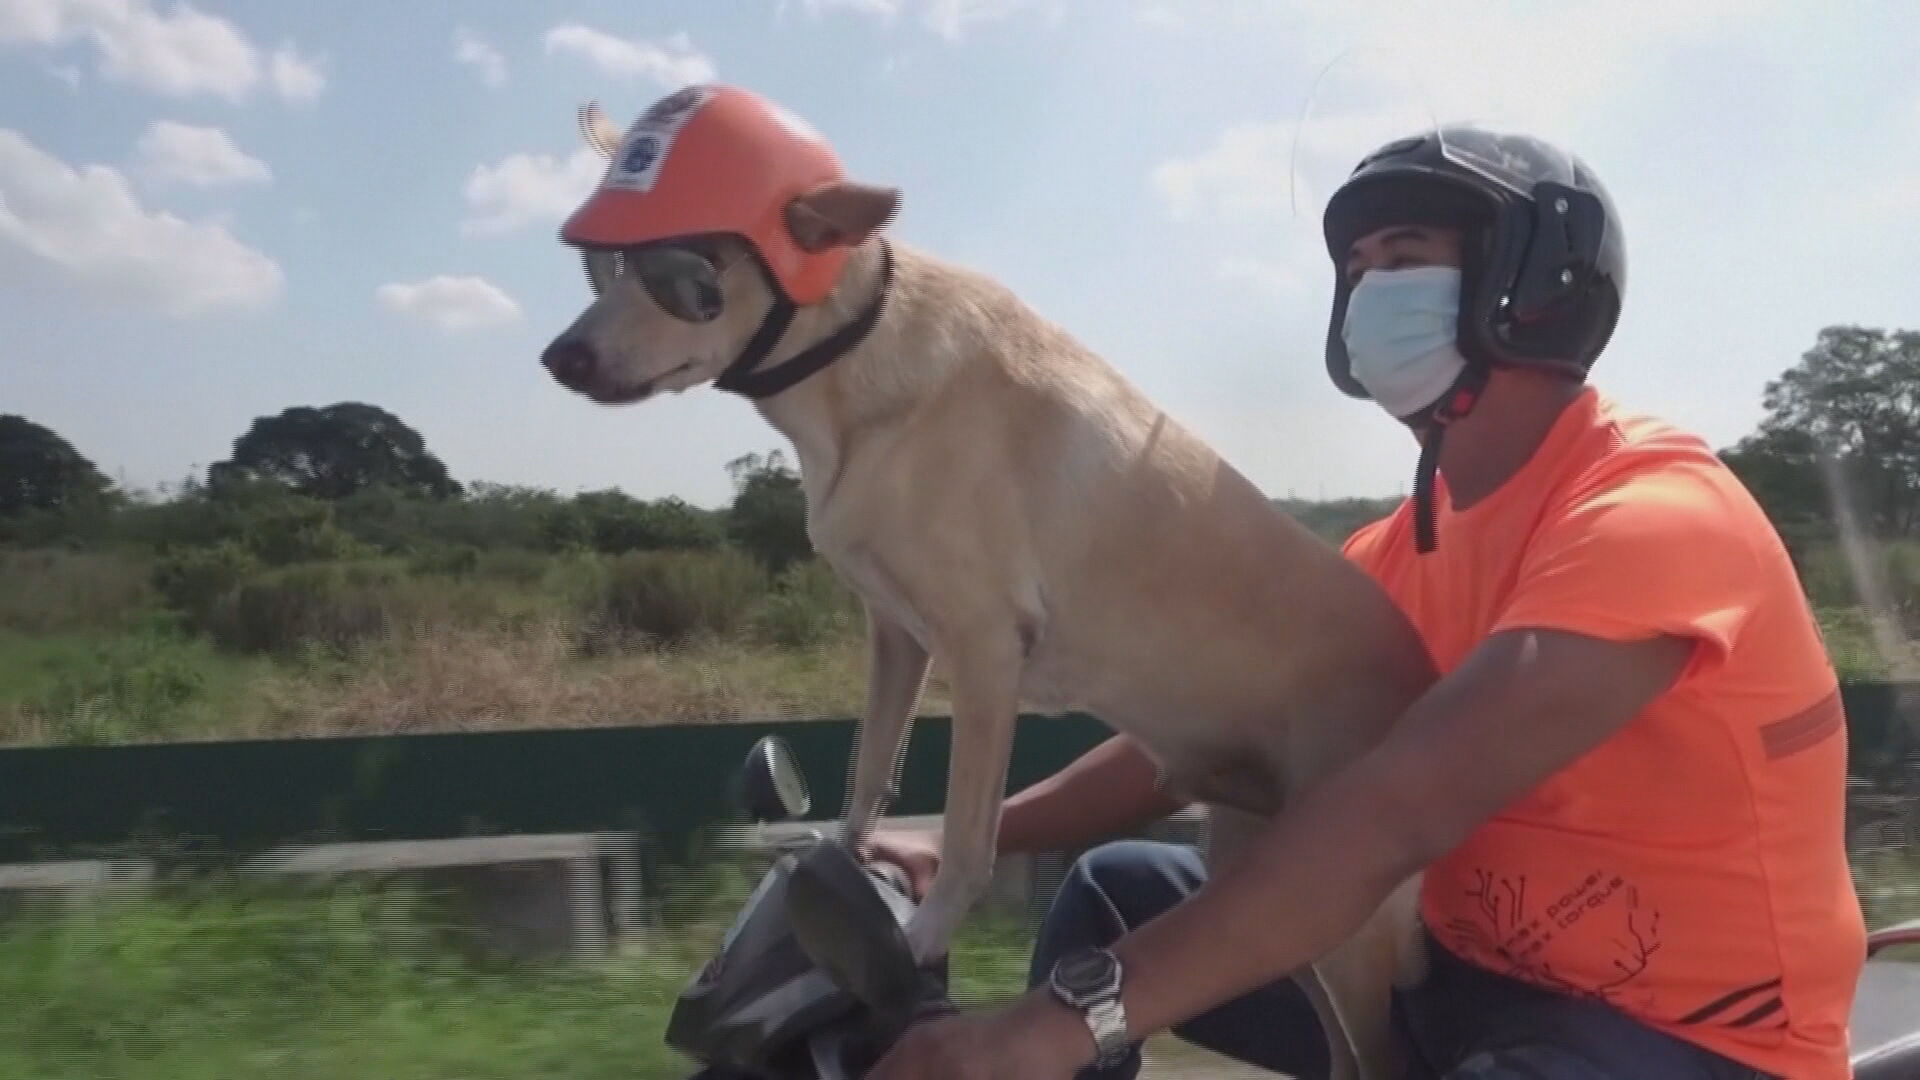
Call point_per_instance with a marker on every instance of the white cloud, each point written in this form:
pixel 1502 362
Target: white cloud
pixel 201 156
pixel 1541 68
pixel 453 304
pixel 949 19
pixel 1270 279
pixel 296 77
pixel 1273 170
pixel 1390 69
pixel 525 188
pixel 1237 175
pixel 88 223
pixel 885 8
pixel 469 48
pixel 1160 15
pixel 871 7
pixel 181 53
pixel 671 61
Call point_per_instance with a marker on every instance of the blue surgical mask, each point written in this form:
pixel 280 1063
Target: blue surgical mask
pixel 1400 332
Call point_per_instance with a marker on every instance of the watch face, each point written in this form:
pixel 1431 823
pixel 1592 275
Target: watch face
pixel 1086 970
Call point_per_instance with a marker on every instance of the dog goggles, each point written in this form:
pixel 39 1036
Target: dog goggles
pixel 683 280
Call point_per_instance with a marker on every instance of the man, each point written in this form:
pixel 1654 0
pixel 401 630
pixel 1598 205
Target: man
pixel 1626 791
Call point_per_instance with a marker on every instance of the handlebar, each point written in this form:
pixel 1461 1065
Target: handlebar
pixel 895 877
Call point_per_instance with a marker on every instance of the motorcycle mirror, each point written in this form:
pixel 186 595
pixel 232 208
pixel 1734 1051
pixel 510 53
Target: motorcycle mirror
pixel 770 785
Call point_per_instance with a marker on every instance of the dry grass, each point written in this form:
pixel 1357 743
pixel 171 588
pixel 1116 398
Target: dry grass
pixel 49 592
pixel 471 680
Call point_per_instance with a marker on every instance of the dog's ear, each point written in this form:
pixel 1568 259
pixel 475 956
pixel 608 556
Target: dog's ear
pixel 840 213
pixel 598 131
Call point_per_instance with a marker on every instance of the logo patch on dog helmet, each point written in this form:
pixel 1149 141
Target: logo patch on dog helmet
pixel 638 159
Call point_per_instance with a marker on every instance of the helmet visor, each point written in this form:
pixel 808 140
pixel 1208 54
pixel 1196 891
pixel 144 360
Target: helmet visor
pixel 683 281
pixel 1516 164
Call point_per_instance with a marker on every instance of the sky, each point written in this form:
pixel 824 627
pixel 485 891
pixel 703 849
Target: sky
pixel 212 212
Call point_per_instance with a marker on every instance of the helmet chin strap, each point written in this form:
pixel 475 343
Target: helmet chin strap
pixel 1457 402
pixel 742 378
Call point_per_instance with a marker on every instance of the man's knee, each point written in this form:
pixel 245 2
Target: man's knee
pixel 1137 879
pixel 1109 890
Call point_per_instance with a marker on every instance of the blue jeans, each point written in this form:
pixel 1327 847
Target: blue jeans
pixel 1465 1023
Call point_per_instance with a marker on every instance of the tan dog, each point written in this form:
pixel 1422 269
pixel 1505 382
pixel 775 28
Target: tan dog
pixel 1005 501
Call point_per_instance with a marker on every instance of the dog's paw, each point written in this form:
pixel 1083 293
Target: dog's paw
pixel 926 939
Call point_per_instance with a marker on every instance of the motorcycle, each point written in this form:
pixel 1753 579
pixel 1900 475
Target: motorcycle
pixel 814 978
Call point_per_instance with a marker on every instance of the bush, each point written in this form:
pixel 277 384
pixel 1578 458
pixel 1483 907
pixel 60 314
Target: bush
pixel 72 528
pixel 671 597
pixel 809 606
pixel 1851 646
pixel 135 686
pixel 446 560
pixel 49 592
pixel 1887 583
pixel 769 513
pixel 514 567
pixel 192 581
pixel 612 522
pixel 296 531
pixel 335 606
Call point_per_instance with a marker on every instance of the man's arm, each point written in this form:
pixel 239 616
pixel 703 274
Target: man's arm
pixel 1521 707
pixel 1110 789
pixel 1106 791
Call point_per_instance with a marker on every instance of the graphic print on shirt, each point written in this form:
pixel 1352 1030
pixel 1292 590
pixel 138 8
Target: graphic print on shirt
pixel 1510 927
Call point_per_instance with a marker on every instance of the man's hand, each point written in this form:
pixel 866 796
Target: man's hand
pixel 915 852
pixel 1106 791
pixel 1035 1038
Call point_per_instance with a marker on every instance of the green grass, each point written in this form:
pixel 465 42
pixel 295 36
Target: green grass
pixel 213 982
pixel 1888 883
pixel 101 687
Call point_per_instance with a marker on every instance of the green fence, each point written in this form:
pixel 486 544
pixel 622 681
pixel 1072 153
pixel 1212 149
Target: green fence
pixel 234 797
pixel 230 798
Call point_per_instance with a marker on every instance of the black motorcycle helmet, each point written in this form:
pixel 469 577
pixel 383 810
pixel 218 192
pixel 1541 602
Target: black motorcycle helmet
pixel 1544 264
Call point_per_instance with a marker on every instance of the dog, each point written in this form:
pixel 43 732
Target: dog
pixel 1004 501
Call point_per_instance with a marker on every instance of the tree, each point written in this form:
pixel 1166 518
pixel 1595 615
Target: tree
pixel 769 514
pixel 1848 415
pixel 39 470
pixel 1335 520
pixel 332 452
pixel 1784 469
pixel 612 521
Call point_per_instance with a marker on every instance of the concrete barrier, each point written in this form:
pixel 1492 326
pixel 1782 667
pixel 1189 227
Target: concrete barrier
pixel 534 895
pixel 73 881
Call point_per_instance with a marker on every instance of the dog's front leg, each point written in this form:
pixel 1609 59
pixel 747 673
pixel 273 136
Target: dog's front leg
pixel 1351 1008
pixel 897 677
pixel 1355 981
pixel 985 671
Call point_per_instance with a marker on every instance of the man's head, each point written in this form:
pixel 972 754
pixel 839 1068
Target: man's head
pixel 1400 247
pixel 1462 251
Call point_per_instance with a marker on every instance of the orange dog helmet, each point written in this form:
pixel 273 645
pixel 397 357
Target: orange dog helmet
pixel 710 159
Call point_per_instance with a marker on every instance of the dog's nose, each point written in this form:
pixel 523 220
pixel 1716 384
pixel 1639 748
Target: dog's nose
pixel 571 361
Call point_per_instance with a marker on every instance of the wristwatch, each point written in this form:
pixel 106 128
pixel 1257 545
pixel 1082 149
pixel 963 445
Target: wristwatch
pixel 1088 980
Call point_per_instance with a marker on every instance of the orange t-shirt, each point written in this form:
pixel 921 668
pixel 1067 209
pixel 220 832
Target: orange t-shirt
pixel 1692 869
